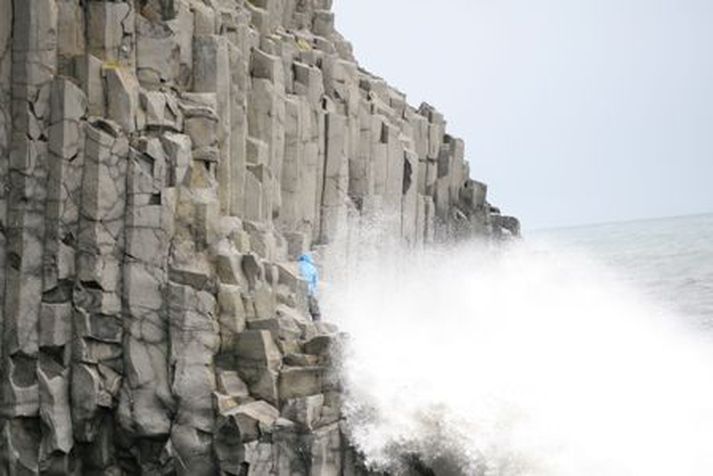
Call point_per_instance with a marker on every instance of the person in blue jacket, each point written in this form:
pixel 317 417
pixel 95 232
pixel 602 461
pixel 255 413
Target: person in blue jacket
pixel 309 272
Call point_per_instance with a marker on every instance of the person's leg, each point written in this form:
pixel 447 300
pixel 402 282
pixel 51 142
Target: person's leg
pixel 314 309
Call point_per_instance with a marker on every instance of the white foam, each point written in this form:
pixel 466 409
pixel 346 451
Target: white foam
pixel 516 362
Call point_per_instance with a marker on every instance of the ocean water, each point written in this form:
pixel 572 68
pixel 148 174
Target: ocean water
pixel 670 260
pixel 573 352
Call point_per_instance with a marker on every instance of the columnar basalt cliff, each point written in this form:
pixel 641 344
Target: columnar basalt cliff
pixel 162 163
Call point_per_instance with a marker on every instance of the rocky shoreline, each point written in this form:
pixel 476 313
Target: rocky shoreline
pixel 164 162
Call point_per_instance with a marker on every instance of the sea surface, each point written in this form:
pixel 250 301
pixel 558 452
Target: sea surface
pixel 557 355
pixel 670 259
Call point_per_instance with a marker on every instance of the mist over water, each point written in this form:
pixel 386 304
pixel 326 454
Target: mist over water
pixel 515 360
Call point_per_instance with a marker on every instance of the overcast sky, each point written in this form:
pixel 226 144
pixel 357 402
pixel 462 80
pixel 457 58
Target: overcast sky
pixel 573 111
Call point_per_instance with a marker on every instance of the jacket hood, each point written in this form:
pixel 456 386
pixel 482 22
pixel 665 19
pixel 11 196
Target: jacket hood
pixel 307 258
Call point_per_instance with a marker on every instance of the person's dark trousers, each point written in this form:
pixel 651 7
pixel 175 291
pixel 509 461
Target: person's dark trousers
pixel 314 309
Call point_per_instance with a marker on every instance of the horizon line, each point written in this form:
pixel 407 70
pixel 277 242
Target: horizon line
pixel 619 222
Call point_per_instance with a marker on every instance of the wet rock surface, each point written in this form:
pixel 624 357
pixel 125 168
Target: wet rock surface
pixel 162 165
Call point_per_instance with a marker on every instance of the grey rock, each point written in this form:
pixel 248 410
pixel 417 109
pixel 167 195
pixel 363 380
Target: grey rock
pixel 258 456
pixel 229 383
pixel 305 411
pixel 110 30
pixel 298 382
pixel 88 69
pixel 258 347
pixel 167 160
pixel 161 110
pixel 301 360
pixel 319 345
pixel 122 97
pixel 158 53
pixel 253 419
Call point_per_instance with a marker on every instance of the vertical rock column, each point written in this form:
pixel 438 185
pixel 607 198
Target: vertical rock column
pixel 294 172
pixel 70 33
pixel 64 188
pixel 410 198
pixel 111 32
pixel 211 74
pixel 159 166
pixel 336 177
pixel 34 63
pixel 361 173
pixel 193 333
pixel 266 119
pixel 436 185
pixel 146 401
pixel 310 86
pixel 107 76
pixel 97 365
pixel 342 131
pixel 239 55
pixel 194 342
pixel 389 160
pixel 202 198
pixel 419 129
pixel 6 20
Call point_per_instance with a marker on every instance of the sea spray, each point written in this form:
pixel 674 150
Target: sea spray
pixel 511 360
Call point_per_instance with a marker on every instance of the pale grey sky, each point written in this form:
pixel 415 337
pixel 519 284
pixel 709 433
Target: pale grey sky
pixel 573 111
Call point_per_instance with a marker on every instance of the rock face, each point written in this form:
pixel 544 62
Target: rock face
pixel 161 164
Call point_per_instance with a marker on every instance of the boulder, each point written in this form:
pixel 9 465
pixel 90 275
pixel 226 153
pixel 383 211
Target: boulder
pixel 258 347
pixel 230 384
pixel 281 327
pixel 319 345
pixel 158 53
pixel 161 111
pixel 301 360
pixel 253 419
pixel 298 382
pixel 122 97
pixel 305 411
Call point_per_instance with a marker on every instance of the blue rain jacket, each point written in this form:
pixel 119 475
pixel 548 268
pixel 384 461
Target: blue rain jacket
pixel 309 273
